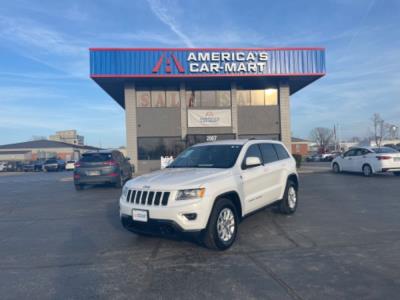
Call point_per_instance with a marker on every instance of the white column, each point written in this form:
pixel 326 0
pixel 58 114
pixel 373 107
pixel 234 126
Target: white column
pixel 182 96
pixel 130 124
pixel 234 109
pixel 284 112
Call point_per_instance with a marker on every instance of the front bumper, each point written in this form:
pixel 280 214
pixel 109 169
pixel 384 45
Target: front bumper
pixel 174 213
pixel 156 227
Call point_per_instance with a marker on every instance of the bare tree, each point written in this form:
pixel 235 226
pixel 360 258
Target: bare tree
pixel 379 129
pixel 323 137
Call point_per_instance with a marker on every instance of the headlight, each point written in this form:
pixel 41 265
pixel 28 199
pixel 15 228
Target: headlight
pixel 190 194
pixel 125 191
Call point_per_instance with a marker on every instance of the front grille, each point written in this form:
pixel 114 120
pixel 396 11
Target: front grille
pixel 153 198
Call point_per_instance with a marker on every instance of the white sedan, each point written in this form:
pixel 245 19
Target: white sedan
pixel 70 165
pixel 368 160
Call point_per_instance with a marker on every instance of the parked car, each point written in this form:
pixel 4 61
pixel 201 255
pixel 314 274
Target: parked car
pixel 3 166
pixel 28 166
pixel 313 158
pixel 39 165
pixel 70 165
pixel 53 165
pixel 209 188
pixel 368 160
pixel 99 167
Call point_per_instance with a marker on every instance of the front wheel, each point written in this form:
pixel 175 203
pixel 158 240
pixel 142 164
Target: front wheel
pixel 288 204
pixel 335 168
pixel 221 230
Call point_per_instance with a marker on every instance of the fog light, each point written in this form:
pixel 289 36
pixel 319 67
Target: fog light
pixel 191 216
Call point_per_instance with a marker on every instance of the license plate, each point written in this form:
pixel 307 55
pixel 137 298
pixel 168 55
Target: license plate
pixel 139 215
pixel 93 173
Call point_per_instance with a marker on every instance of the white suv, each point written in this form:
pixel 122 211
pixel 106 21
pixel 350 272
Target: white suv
pixel 209 188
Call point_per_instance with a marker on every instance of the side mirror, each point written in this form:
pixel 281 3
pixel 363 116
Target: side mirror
pixel 252 161
pixel 127 158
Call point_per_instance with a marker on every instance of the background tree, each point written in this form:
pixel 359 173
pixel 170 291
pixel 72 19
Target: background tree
pixel 323 137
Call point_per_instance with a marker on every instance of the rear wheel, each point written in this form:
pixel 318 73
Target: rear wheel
pixel 335 168
pixel 79 187
pixel 120 182
pixel 288 204
pixel 221 230
pixel 367 170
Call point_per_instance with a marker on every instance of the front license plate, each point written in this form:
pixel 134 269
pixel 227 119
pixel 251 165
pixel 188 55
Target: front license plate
pixel 139 215
pixel 93 173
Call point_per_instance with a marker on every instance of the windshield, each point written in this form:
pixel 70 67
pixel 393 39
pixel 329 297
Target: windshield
pixel 210 156
pixel 384 150
pixel 51 161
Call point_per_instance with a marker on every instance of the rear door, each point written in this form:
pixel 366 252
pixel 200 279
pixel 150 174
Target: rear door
pixel 272 172
pixel 359 159
pixel 253 181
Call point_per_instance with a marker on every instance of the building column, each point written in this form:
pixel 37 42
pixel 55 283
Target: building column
pixel 234 109
pixel 284 114
pixel 184 124
pixel 130 124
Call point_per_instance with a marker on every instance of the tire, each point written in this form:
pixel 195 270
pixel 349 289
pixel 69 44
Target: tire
pixel 336 168
pixel 396 173
pixel 120 182
pixel 367 170
pixel 217 236
pixel 288 204
pixel 79 187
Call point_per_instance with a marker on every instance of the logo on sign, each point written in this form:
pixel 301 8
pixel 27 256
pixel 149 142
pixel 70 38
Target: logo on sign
pixel 167 58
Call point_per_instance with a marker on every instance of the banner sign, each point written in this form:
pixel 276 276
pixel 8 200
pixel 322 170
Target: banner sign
pixel 165 62
pixel 209 118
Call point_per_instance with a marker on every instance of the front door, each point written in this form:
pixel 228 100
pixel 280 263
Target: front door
pixel 253 181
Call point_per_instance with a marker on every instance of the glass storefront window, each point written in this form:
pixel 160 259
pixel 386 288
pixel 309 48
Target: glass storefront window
pixel 208 98
pixel 158 98
pixel 173 99
pixel 224 98
pixel 143 99
pixel 193 98
pixel 271 96
pixel 152 148
pixel 257 97
pixel 243 97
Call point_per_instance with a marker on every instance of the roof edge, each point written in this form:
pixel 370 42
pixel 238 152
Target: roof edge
pixel 204 49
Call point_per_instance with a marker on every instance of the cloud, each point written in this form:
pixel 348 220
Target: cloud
pixel 45 45
pixel 164 15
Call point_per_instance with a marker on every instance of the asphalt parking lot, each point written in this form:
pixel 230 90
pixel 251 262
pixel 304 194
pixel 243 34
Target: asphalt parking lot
pixel 343 243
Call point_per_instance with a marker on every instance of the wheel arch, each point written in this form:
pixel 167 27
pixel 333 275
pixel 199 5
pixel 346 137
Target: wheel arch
pixel 234 197
pixel 293 177
pixel 367 164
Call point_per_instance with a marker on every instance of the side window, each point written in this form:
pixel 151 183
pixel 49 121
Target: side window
pixel 350 153
pixel 253 150
pixel 359 152
pixel 268 153
pixel 282 153
pixel 365 151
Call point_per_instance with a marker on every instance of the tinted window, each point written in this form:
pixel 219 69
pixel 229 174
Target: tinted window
pixel 384 150
pixel 210 156
pixel 351 152
pixel 96 157
pixel 253 151
pixel 51 161
pixel 152 148
pixel 282 153
pixel 268 153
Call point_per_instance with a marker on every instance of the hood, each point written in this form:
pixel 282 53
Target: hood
pixel 177 178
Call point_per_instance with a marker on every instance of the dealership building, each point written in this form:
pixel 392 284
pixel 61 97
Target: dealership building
pixel 176 97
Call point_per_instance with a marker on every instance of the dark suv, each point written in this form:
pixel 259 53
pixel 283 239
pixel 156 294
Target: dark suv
pixel 103 166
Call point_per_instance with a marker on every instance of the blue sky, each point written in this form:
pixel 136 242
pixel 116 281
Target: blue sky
pixel 44 82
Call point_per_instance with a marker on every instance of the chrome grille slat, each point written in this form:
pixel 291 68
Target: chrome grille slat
pixel 148 197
